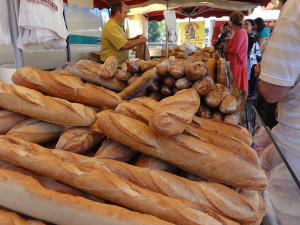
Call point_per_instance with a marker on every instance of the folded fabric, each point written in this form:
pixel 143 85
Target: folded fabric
pixel 5 38
pixel 42 22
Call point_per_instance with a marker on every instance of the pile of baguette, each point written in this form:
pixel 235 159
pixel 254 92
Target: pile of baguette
pixel 203 70
pixel 74 152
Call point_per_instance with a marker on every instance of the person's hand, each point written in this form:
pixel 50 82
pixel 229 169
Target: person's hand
pixel 143 40
pixel 257 70
pixel 227 39
pixel 137 36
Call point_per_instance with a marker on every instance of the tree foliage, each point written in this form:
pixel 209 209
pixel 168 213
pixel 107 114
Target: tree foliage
pixel 153 31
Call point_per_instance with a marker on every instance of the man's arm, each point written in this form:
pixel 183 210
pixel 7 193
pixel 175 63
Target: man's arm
pixel 132 43
pixel 272 93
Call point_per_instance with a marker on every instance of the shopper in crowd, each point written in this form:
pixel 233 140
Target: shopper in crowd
pixel 280 82
pixel 261 31
pixel 224 34
pixel 236 52
pixel 113 38
pixel 254 56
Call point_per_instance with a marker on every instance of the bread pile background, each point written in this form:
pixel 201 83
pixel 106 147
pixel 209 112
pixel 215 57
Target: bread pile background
pixel 76 153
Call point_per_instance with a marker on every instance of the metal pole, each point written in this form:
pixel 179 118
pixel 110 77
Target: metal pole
pixel 167 36
pixel 18 54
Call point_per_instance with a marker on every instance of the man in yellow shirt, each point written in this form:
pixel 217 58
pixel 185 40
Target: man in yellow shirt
pixel 113 38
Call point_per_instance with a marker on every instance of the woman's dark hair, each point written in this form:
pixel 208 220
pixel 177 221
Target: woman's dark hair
pixel 260 24
pixel 251 22
pixel 116 6
pixel 237 18
pixel 283 1
pixel 225 25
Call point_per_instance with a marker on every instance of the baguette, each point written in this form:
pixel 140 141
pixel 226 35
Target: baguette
pixel 105 71
pixel 232 130
pixel 9 119
pixel 113 83
pixel 147 161
pixel 139 85
pixel 211 67
pixel 68 87
pixel 24 194
pixel 12 218
pixel 217 137
pixel 146 102
pixel 37 131
pixel 221 72
pixel 184 151
pixel 215 196
pixel 173 114
pixel 79 139
pixel 32 103
pixel 114 150
pixel 59 166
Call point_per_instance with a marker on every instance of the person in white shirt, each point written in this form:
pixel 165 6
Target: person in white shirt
pixel 280 82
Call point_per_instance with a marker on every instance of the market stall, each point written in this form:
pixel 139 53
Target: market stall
pixel 155 142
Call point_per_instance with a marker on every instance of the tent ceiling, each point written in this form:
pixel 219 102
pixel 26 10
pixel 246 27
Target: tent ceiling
pixel 206 8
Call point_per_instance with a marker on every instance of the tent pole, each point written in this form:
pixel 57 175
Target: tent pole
pixel 167 39
pixel 18 54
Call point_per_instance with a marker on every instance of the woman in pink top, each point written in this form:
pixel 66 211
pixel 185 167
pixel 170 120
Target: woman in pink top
pixel 236 52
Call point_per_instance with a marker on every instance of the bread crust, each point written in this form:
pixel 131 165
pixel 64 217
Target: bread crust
pixel 66 87
pixel 32 103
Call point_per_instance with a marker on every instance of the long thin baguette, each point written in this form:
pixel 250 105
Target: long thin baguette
pixel 102 184
pixel 32 103
pixel 113 83
pixel 9 119
pixel 184 151
pixel 24 194
pixel 37 131
pixel 235 131
pixel 67 87
pixel 139 112
pixel 147 161
pixel 12 218
pixel 139 85
pixel 111 149
pixel 215 196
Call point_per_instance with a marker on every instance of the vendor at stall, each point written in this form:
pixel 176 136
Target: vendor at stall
pixel 113 38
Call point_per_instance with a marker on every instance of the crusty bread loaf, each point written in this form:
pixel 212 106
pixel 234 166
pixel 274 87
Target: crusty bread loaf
pixel 221 72
pixel 195 70
pixel 183 83
pixel 12 218
pixel 177 69
pixel 184 151
pixel 134 65
pixel 213 99
pixel 139 85
pixel 111 149
pixel 32 103
pixel 37 131
pixel 228 104
pixel 233 118
pixel 204 85
pixel 113 83
pixel 24 194
pixel 162 68
pixel 173 114
pixel 146 102
pixel 67 87
pixel 235 131
pixel 215 136
pixel 105 71
pixel 214 196
pixel 79 139
pixel 212 68
pixel 9 119
pixel 57 165
pixel 147 161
